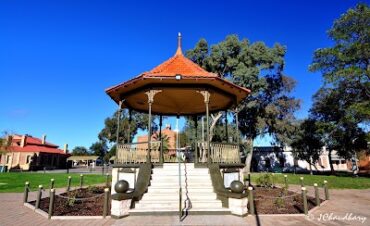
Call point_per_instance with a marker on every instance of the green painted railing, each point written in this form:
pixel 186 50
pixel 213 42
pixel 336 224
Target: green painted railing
pixel 137 152
pixel 219 153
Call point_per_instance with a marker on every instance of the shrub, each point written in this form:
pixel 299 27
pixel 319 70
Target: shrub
pixel 280 202
pixel 94 189
pixel 266 180
pixel 71 199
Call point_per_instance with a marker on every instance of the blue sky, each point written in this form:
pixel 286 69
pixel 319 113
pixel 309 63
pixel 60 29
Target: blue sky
pixel 57 57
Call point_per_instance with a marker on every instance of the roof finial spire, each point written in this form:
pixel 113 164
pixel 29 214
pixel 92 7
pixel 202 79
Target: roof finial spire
pixel 178 51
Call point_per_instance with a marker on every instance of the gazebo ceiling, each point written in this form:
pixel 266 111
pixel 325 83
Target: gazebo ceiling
pixel 179 80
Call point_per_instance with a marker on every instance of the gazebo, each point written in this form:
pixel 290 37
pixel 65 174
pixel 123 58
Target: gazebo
pixel 177 87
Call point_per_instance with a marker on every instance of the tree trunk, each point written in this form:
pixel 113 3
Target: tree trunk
pixel 248 159
pixel 311 166
pixel 211 132
pixel 331 163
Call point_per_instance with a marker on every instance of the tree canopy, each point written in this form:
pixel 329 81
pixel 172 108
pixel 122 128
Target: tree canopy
pixel 80 150
pixel 109 133
pixel 307 142
pixel 342 105
pixel 269 108
pixel 99 148
pixel 345 65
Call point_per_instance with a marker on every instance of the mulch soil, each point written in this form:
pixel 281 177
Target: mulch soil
pixel 90 201
pixel 80 202
pixel 280 201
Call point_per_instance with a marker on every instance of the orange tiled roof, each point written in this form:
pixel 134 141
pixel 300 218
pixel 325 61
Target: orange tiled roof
pixel 178 65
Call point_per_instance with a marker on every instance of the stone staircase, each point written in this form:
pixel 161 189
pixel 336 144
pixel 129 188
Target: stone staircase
pixel 163 192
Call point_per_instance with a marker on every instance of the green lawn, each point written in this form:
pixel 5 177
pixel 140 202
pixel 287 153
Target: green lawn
pixel 337 182
pixel 14 182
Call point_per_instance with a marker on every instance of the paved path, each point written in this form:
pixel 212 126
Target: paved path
pixel 342 202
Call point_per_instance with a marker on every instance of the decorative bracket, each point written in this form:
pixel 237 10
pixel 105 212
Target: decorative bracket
pixel 206 95
pixel 151 93
pixel 120 105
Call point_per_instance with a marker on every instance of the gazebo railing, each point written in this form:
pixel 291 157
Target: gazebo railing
pixel 137 152
pixel 219 153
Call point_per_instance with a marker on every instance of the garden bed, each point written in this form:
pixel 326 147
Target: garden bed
pixel 280 201
pixel 81 202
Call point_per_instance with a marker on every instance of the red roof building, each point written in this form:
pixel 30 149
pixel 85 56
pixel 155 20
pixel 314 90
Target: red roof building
pixel 30 153
pixel 168 135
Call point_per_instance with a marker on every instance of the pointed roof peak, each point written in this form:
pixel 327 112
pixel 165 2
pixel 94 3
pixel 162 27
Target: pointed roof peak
pixel 179 65
pixel 179 50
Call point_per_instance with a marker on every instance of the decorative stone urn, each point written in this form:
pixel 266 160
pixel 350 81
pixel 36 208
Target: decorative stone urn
pixel 237 186
pixel 121 186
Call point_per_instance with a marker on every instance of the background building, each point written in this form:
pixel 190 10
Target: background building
pixel 277 159
pixel 168 135
pixel 30 153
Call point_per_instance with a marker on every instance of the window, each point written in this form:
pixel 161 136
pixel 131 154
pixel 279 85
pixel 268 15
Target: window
pixel 7 159
pixel 28 160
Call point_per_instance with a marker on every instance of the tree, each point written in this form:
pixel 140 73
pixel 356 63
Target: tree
pixel 269 109
pixel 5 142
pixel 340 130
pixel 109 133
pixel 165 140
pixel 80 150
pixel 99 148
pixel 348 61
pixel 342 105
pixel 110 153
pixel 308 142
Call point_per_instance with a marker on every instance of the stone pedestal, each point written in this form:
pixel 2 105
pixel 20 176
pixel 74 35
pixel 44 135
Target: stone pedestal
pixel 129 177
pixel 120 208
pixel 238 206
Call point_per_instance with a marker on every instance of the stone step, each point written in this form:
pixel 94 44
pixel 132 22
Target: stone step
pixel 189 182
pixel 177 164
pixel 175 186
pixel 171 173
pixel 156 176
pixel 169 190
pixel 167 204
pixel 199 171
pixel 176 167
pixel 172 211
pixel 192 197
pixel 176 178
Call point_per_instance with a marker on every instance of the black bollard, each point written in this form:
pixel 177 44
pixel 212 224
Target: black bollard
pixel 326 190
pixel 304 197
pixel 69 183
pixel 52 183
pixel 26 190
pixel 251 200
pixel 51 203
pixel 39 194
pixel 81 180
pixel 106 200
pixel 317 196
